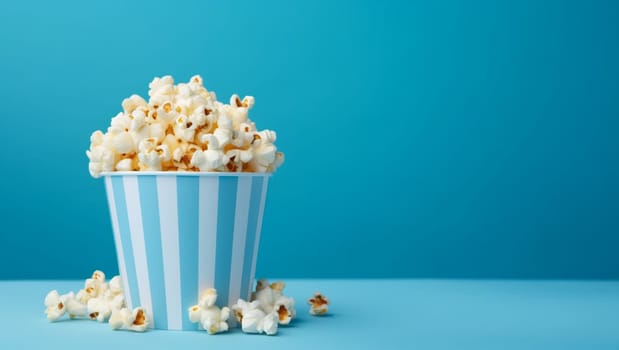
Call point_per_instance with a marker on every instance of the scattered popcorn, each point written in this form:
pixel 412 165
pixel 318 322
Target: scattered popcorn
pixel 319 304
pixel 208 298
pixel 99 301
pixel 75 309
pixel 284 307
pixel 93 287
pixel 183 128
pixel 269 324
pixel 99 309
pixel 56 305
pixel 136 320
pixel 210 317
pixel 271 300
pixel 253 319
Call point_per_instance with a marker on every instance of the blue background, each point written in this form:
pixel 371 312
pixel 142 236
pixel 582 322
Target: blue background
pixel 423 139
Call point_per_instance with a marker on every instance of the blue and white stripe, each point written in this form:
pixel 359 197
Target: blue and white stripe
pixel 178 234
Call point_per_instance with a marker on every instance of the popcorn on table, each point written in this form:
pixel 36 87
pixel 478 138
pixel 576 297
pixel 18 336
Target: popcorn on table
pixel 267 309
pixel 271 299
pixel 183 127
pixel 99 300
pixel 319 304
pixel 136 320
pixel 253 319
pixel 210 317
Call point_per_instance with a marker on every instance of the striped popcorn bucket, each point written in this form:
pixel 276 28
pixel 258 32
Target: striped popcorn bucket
pixel 177 234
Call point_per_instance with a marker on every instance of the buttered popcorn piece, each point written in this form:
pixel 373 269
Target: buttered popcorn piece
pixel 214 320
pixel 253 319
pixel 319 304
pixel 270 299
pixel 248 315
pixel 137 320
pixel 269 324
pixel 56 305
pixel 99 309
pixel 284 307
pixel 210 317
pixel 189 130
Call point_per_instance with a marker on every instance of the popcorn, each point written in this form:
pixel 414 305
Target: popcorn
pixel 253 319
pixel 208 298
pixel 125 165
pixel 151 155
pixel 210 317
pixel 269 324
pixel 93 287
pixel 56 305
pixel 284 307
pixel 97 301
pixel 271 299
pixel 137 320
pixel 75 309
pixel 99 309
pixel 319 304
pixel 132 103
pixel 115 287
pixel 214 320
pixel 198 132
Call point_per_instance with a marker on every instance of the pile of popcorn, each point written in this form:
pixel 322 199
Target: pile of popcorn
pixel 268 309
pixel 99 300
pixel 104 302
pixel 183 128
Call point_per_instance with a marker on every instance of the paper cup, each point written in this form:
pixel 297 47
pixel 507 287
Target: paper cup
pixel 177 234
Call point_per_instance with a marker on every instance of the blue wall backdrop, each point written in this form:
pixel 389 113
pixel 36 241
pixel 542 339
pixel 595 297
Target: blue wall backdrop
pixel 423 139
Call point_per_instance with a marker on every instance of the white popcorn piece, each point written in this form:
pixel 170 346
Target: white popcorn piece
pixel 319 304
pixel 209 160
pixel 152 155
pixel 75 309
pixel 125 165
pixel 269 324
pixel 161 87
pixel 266 295
pixel 121 122
pixel 268 309
pixel 284 307
pixel 235 158
pixel 119 318
pixel 132 103
pixel 92 289
pixel 195 313
pixel 99 309
pixel 137 320
pixel 208 298
pixel 56 305
pixel 213 319
pixel 252 321
pixel 115 286
pixel 249 315
pixel 210 317
pixel 223 133
pixel 238 109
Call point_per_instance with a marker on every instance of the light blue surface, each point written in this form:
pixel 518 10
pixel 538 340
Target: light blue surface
pixel 364 314
pixel 423 138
